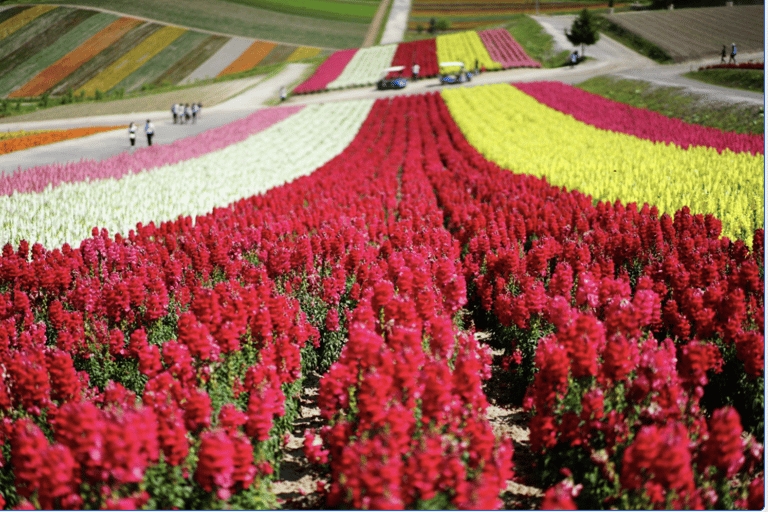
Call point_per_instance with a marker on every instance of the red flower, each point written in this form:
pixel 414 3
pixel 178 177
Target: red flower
pixel 197 410
pixel 216 463
pixel 724 448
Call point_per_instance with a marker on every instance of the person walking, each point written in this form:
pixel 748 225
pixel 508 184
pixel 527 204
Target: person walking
pixel 187 113
pixel 416 68
pixel 199 109
pixel 175 113
pixel 283 93
pixel 149 129
pixel 132 133
pixel 574 59
pixel 195 109
pixel 733 53
pixel 722 56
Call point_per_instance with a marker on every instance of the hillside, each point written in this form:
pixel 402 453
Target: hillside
pixel 243 19
pixel 74 52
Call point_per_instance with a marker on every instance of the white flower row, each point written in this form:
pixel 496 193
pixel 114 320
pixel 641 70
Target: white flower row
pixel 365 67
pixel 289 149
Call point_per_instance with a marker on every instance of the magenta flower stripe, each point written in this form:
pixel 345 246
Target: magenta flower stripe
pixel 327 72
pixel 614 116
pixel 503 48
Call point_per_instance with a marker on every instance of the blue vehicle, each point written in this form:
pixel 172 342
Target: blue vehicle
pixel 391 83
pixel 455 77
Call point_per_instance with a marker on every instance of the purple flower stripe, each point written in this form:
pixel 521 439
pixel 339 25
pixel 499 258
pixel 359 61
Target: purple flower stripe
pixel 503 49
pixel 37 179
pixel 327 72
pixel 645 124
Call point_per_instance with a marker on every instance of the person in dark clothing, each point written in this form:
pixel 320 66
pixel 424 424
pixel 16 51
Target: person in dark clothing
pixel 733 53
pixel 149 129
pixel 722 56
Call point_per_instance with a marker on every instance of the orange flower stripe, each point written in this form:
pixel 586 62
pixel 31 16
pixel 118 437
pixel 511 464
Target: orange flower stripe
pixel 32 140
pixel 58 71
pixel 249 58
pixel 11 25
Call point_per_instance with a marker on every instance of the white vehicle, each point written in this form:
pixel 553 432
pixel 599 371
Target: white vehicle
pixel 391 83
pixel 456 77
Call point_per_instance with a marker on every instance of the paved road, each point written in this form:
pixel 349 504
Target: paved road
pixel 607 58
pixel 394 30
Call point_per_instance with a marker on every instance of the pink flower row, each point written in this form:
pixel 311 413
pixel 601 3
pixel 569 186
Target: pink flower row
pixel 38 178
pixel 645 124
pixel 503 48
pixel 327 72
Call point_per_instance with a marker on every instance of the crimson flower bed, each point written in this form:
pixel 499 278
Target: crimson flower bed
pixel 634 340
pixel 423 53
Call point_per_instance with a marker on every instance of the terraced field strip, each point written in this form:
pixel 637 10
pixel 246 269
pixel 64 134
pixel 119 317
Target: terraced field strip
pixel 31 30
pixel 10 12
pixel 163 61
pixel 696 33
pixel 303 52
pixel 249 58
pixel 279 53
pixel 74 59
pixel 192 60
pixel 107 57
pixel 22 18
pixel 225 56
pixel 21 64
pixel 132 60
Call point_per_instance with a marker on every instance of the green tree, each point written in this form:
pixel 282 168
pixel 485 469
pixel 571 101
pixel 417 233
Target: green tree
pixel 584 30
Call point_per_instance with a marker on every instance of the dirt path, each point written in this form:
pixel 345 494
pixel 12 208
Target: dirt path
pixel 373 28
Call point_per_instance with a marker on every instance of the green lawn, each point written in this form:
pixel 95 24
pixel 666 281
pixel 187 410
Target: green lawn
pixel 745 79
pixel 360 12
pixel 535 41
pixel 236 19
pixel 675 102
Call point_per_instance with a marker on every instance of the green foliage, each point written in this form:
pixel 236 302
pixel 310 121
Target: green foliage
pixel 102 367
pixel 98 95
pixel 45 99
pixel 535 41
pixel 676 102
pixel 584 30
pixel 168 489
pixel 745 79
pixel 443 24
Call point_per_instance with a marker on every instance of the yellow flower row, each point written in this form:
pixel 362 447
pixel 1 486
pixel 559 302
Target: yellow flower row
pixel 518 133
pixel 466 47
pixel 22 133
pixel 132 60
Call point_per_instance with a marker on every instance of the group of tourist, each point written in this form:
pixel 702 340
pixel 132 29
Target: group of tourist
pixel 149 129
pixel 182 113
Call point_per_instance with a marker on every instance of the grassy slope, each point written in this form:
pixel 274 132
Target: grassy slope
pixel 746 79
pixel 360 12
pixel 240 20
pixel 675 102
pixel 535 41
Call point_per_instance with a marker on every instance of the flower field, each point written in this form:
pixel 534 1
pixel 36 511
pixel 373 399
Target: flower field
pixel 373 254
pixel 701 168
pixel 50 49
pixel 355 68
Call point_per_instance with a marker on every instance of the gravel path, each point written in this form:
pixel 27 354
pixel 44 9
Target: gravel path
pixel 397 23
pixel 373 28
